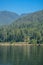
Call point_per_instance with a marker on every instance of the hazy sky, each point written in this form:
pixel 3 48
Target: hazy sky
pixel 21 6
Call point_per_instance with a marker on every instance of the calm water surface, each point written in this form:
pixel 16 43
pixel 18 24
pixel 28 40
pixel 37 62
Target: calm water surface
pixel 21 55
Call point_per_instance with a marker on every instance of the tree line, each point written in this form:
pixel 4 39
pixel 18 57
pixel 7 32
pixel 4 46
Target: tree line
pixel 25 32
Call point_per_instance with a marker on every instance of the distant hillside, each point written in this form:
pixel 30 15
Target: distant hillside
pixel 33 17
pixel 6 17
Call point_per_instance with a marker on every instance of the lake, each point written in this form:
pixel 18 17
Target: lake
pixel 21 55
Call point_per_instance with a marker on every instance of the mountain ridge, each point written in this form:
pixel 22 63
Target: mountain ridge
pixel 6 17
pixel 32 17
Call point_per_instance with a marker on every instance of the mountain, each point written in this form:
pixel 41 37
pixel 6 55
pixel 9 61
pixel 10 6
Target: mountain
pixel 29 19
pixel 27 28
pixel 6 17
pixel 32 17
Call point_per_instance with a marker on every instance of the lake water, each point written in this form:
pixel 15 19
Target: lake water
pixel 21 55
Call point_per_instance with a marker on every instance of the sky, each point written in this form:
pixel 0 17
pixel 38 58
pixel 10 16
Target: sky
pixel 21 6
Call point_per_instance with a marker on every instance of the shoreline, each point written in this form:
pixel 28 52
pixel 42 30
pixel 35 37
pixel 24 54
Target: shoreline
pixel 14 44
pixel 18 44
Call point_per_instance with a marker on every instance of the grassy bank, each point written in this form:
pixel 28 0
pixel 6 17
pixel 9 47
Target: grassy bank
pixel 16 44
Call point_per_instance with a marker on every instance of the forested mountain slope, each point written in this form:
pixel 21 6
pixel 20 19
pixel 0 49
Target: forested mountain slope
pixel 30 18
pixel 28 28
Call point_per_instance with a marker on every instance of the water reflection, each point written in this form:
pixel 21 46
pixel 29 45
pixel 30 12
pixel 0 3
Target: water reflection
pixel 21 55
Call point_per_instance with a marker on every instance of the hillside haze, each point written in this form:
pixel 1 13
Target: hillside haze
pixel 7 17
pixel 32 17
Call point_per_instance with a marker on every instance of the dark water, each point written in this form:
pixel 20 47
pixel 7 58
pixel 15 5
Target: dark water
pixel 21 55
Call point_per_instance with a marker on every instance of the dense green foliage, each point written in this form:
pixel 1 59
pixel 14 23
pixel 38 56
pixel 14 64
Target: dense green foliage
pixel 28 28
